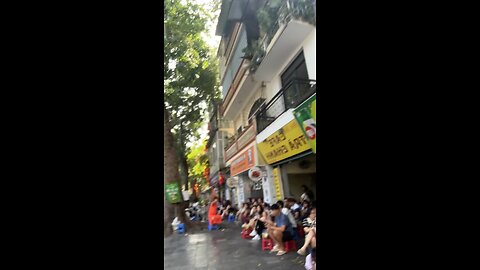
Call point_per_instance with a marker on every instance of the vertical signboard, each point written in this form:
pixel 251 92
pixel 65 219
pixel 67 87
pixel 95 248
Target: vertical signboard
pixel 227 193
pixel 241 194
pixel 277 181
pixel 269 186
pixel 306 116
pixel 172 191
pixel 266 190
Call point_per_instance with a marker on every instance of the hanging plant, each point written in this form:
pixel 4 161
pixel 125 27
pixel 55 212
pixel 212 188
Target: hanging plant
pixel 250 50
pixel 303 10
pixel 269 17
pixel 264 21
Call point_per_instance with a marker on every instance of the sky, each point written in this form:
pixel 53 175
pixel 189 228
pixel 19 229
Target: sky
pixel 210 37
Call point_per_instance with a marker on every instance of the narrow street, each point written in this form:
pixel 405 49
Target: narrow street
pixel 240 98
pixel 224 250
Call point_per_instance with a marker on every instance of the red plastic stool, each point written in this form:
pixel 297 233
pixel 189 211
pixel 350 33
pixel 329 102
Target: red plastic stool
pixel 301 232
pixel 290 245
pixel 267 244
pixel 246 234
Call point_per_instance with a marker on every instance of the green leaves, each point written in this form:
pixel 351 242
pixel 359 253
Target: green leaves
pixel 190 68
pixel 197 162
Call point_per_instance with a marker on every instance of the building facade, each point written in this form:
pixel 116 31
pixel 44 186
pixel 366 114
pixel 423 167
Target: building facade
pixel 218 172
pixel 267 60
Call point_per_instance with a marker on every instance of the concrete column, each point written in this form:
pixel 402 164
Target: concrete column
pixel 286 186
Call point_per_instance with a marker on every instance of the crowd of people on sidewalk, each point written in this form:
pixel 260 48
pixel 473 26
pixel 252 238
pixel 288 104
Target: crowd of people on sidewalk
pixel 282 221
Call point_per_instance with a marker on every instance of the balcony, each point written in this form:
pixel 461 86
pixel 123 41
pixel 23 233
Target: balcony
pixel 288 97
pixel 235 62
pixel 239 141
pixel 284 27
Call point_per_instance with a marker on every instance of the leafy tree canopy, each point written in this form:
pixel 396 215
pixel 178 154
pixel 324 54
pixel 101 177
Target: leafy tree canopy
pixel 197 163
pixel 190 68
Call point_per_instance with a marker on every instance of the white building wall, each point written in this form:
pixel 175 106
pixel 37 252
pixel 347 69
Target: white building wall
pixel 309 50
pixel 272 87
pixel 245 111
pixel 310 53
pixel 238 122
pixel 241 118
pixel 254 96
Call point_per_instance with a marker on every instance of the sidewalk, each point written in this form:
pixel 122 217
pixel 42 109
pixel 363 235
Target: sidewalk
pixel 224 250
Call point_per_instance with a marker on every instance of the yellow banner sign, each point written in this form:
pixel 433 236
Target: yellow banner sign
pixel 286 142
pixel 278 184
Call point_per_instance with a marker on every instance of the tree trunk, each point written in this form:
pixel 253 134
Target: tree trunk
pixel 184 166
pixel 171 174
pixel 194 194
pixel 182 158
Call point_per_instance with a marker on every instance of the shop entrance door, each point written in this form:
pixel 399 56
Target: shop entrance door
pixel 257 190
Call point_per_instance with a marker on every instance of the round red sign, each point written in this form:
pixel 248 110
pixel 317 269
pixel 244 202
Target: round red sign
pixel 311 132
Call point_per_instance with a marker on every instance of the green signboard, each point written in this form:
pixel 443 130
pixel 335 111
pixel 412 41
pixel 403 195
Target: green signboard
pixel 172 191
pixel 306 116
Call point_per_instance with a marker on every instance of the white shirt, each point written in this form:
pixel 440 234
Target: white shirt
pixel 286 212
pixel 295 206
pixel 304 197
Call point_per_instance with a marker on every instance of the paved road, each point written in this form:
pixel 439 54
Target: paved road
pixel 224 250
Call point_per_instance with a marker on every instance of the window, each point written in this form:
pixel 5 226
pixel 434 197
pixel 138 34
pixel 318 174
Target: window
pixel 296 70
pixel 295 85
pixel 255 107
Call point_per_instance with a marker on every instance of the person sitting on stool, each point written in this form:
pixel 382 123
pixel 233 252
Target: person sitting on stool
pixel 213 218
pixel 280 231
pixel 310 228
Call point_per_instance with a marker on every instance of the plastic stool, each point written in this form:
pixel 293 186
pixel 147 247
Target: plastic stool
pixel 295 235
pixel 181 228
pixel 290 245
pixel 231 218
pixel 300 231
pixel 246 234
pixel 212 227
pixel 267 244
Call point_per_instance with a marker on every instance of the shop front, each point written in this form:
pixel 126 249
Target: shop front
pixel 239 166
pixel 283 150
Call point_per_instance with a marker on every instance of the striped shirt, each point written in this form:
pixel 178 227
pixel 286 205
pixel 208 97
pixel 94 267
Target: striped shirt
pixel 307 223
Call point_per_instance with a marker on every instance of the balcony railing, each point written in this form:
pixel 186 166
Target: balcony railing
pixel 271 16
pixel 235 63
pixel 239 141
pixel 290 96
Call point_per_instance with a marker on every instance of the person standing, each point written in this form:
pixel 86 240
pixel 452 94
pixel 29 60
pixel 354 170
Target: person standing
pixel 307 194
